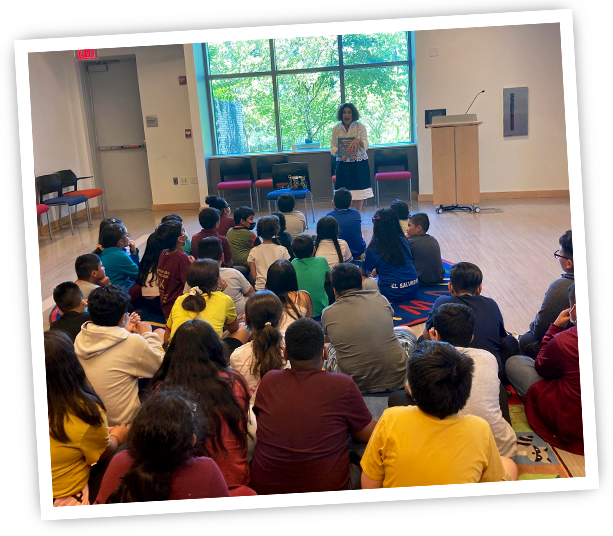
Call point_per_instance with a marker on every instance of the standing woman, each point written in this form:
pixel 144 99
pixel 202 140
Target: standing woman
pixel 352 170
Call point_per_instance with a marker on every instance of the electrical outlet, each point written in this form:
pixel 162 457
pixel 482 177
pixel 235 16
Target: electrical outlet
pixel 175 180
pixel 194 180
pixel 183 181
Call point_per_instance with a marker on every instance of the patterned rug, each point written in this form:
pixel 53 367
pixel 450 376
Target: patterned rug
pixel 535 458
pixel 414 312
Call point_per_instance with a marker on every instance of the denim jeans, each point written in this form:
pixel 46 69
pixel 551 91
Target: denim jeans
pixel 520 372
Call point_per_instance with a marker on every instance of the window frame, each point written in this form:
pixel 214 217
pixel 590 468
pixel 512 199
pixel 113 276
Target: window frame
pixel 274 73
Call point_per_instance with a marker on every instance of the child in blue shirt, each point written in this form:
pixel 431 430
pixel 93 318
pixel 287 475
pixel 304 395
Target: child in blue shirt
pixel 349 222
pixel 120 267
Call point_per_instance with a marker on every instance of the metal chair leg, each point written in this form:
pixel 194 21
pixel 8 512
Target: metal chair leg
pixel 59 215
pixel 312 208
pixel 377 193
pixel 76 213
pixel 70 216
pixel 250 198
pixel 49 225
pixel 89 216
pixel 269 212
pixel 306 212
pixel 411 192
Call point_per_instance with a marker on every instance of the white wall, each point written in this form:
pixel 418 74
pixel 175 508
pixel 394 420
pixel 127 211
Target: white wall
pixel 493 58
pixel 169 153
pixel 58 126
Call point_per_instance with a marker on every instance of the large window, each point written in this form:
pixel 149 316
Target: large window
pixel 267 95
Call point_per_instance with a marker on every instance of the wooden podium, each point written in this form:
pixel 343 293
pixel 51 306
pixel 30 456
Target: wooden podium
pixel 455 162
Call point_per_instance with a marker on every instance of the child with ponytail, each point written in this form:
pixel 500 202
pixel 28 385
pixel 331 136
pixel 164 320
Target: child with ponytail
pixel 205 301
pixel 263 353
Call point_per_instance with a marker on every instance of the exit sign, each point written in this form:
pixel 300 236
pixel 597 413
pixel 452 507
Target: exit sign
pixel 86 54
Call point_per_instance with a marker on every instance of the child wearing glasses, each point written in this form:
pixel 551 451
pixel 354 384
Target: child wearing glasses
pixel 555 300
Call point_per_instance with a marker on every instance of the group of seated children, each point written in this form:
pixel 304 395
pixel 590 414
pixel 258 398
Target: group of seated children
pixel 258 390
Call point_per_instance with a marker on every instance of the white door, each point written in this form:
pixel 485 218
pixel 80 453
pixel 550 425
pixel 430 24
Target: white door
pixel 119 122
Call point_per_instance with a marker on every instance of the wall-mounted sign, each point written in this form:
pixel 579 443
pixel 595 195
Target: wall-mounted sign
pixel 86 54
pixel 152 121
pixel 182 80
pixel 188 133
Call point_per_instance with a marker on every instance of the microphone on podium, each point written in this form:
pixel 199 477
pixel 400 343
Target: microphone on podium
pixel 474 101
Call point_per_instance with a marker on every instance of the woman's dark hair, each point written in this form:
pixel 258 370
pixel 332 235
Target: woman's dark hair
pixel 168 233
pixel 149 263
pixel 204 274
pixel 160 440
pixel 263 312
pixel 216 202
pixel 327 229
pixel 109 236
pixel 68 391
pixel 281 279
pixel 268 227
pixel 194 360
pixel 355 115
pixel 387 238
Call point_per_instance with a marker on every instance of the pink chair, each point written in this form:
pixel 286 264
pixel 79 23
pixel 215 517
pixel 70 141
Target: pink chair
pixel 44 209
pixel 235 167
pixel 385 158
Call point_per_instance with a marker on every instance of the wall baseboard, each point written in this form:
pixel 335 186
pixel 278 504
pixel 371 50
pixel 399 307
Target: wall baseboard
pixel 177 206
pixel 526 194
pixel 65 219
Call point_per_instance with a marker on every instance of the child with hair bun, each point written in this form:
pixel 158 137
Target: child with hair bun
pixel 226 222
pixel 263 313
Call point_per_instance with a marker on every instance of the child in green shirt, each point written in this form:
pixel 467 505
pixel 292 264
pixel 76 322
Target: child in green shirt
pixel 312 272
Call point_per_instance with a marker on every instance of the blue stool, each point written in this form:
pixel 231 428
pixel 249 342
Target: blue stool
pixel 280 180
pixel 298 194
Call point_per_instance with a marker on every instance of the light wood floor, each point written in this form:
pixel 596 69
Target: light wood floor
pixel 511 240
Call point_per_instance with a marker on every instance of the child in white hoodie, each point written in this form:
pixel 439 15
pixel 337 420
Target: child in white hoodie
pixel 116 350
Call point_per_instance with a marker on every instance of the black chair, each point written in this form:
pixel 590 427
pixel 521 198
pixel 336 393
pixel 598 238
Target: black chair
pixel 52 184
pixel 70 180
pixel 235 167
pixel 264 173
pixel 280 177
pixel 392 158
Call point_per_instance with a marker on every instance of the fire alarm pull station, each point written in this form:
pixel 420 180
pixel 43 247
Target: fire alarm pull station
pixel 188 133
